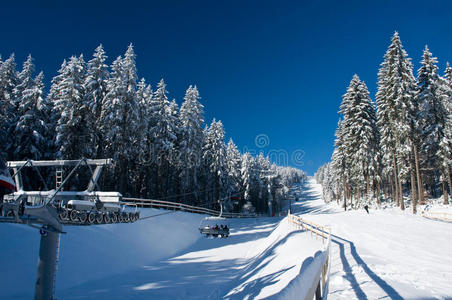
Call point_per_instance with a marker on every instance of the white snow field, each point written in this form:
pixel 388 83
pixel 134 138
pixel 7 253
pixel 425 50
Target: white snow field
pixel 160 258
pixel 387 254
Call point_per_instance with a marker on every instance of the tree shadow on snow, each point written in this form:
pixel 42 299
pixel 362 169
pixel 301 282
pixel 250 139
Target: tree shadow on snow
pixel 305 207
pixel 252 288
pixel 342 243
pixel 187 277
pixel 184 278
pixel 165 280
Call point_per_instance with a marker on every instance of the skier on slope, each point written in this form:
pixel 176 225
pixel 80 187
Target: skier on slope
pixel 366 207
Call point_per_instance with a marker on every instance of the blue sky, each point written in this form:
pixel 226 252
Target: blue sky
pixel 273 68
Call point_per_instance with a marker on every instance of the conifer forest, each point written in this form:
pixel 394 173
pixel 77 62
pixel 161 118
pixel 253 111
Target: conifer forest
pixel 398 148
pixel 160 150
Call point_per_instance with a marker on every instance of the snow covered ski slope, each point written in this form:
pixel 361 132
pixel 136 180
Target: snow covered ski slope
pixel 387 254
pixel 161 258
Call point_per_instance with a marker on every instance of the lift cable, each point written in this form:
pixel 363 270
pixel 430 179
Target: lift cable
pixel 185 194
pixel 165 213
pixel 170 212
pixel 216 201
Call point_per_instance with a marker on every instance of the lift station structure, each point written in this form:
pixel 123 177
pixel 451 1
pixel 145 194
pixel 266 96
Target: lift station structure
pixel 49 210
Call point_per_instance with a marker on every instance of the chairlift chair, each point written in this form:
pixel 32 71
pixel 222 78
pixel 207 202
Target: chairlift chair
pixel 215 226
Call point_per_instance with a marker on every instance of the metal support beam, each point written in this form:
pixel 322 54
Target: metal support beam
pixel 18 179
pixel 47 265
pixel 58 177
pixel 94 178
pixel 56 163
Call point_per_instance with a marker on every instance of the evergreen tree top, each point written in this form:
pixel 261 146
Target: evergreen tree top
pixel 192 111
pixel 28 68
pixel 347 98
pixel 161 91
pixel 396 58
pixel 428 64
pixel 231 144
pixel 98 60
pixel 99 53
pixel 448 72
pixel 8 74
pixel 130 53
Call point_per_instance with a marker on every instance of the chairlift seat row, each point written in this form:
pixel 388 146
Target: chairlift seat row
pixel 214 226
pixel 89 217
pixel 209 231
pixel 89 205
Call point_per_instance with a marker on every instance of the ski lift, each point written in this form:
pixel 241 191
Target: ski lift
pixel 57 207
pixel 215 226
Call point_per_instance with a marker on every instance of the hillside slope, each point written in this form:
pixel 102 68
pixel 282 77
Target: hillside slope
pixel 161 258
pixel 92 252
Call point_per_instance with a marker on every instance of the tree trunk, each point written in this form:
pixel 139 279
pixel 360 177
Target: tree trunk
pixel 398 183
pixel 168 179
pixel 351 199
pixel 367 185
pixel 396 178
pixel 338 192
pixel 401 202
pixel 420 188
pixel 345 193
pixel 443 184
pixel 374 188
pixel 378 193
pixel 449 180
pixel 122 175
pixel 393 195
pixel 390 186
pixel 413 185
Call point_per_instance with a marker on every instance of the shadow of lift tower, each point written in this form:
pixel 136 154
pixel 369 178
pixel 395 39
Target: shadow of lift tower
pixel 49 210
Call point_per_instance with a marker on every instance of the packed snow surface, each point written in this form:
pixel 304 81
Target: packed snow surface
pixel 164 257
pixel 387 254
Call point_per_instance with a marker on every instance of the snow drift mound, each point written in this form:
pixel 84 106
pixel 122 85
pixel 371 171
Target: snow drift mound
pixel 274 263
pixel 281 231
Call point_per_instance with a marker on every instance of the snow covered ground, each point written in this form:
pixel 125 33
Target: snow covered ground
pixel 91 253
pixel 161 258
pixel 385 254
